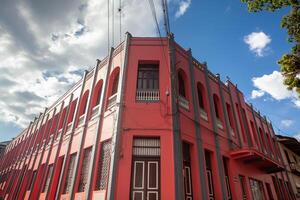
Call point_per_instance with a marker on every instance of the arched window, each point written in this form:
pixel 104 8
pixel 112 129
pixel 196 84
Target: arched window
pixel 181 83
pixel 201 96
pixel 83 103
pixel 115 84
pixel 217 106
pixel 97 93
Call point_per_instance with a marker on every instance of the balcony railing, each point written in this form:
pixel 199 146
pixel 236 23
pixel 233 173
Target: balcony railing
pixel 219 124
pixel 231 131
pixel 295 168
pixel 69 127
pixel 112 101
pixel 203 114
pixel 95 111
pixel 257 159
pixel 81 120
pixel 183 102
pixel 147 95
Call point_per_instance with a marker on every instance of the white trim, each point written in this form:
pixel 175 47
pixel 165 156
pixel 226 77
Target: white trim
pixel 152 192
pixel 133 195
pixel 189 179
pixel 228 187
pixel 134 176
pixel 211 188
pixel 156 163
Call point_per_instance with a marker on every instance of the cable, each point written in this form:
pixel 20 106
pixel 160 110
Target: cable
pixel 113 22
pixel 108 44
pixel 153 11
pixel 120 20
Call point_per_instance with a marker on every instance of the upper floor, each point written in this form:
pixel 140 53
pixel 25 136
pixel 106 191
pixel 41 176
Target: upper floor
pixel 141 72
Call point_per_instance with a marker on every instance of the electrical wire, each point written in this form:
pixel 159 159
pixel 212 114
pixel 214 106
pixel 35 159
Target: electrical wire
pixel 108 44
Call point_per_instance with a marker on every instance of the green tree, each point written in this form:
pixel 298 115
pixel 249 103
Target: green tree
pixel 290 62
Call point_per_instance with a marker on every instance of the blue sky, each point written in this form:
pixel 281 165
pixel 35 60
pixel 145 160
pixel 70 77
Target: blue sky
pixel 45 50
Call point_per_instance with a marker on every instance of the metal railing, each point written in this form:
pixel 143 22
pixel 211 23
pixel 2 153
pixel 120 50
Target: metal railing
pixel 147 95
pixel 183 102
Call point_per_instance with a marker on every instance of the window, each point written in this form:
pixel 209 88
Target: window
pixel 71 112
pixel 148 82
pixel 262 139
pixel 217 106
pixel 181 84
pixel 84 170
pixel 32 181
pixel 83 103
pixel 115 85
pixel 209 175
pixel 269 191
pixel 254 134
pixel 243 184
pixel 103 167
pixel 241 122
pixel 257 189
pixel 69 179
pixel 200 95
pixel 148 77
pixel 225 165
pixel 50 171
pixel 230 118
pixel 277 188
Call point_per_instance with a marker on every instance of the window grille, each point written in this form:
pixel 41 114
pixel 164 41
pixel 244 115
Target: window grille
pixel 146 147
pixel 70 174
pixel 103 167
pixel 148 82
pixel 84 170
pixel 50 170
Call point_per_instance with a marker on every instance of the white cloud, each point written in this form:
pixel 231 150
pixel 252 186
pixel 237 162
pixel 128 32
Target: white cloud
pixel 45 46
pixel 258 42
pixel 183 6
pixel 272 84
pixel 257 93
pixel 286 123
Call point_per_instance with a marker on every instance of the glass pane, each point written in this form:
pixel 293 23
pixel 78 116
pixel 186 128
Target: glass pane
pixel 152 175
pixel 138 174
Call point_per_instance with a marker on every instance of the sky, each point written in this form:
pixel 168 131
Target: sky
pixel 46 45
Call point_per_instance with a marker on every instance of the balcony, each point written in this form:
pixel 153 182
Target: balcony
pixel 81 120
pixel 219 124
pixel 253 157
pixel 69 127
pixel 203 114
pixel 112 101
pixel 183 102
pixel 147 95
pixel 295 168
pixel 95 111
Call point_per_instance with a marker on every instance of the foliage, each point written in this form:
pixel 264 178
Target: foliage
pixel 290 62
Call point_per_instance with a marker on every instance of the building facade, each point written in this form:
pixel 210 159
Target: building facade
pixel 2 147
pixel 148 122
pixel 290 150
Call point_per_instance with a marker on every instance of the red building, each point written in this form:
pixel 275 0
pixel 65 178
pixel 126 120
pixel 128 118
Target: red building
pixel 148 122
